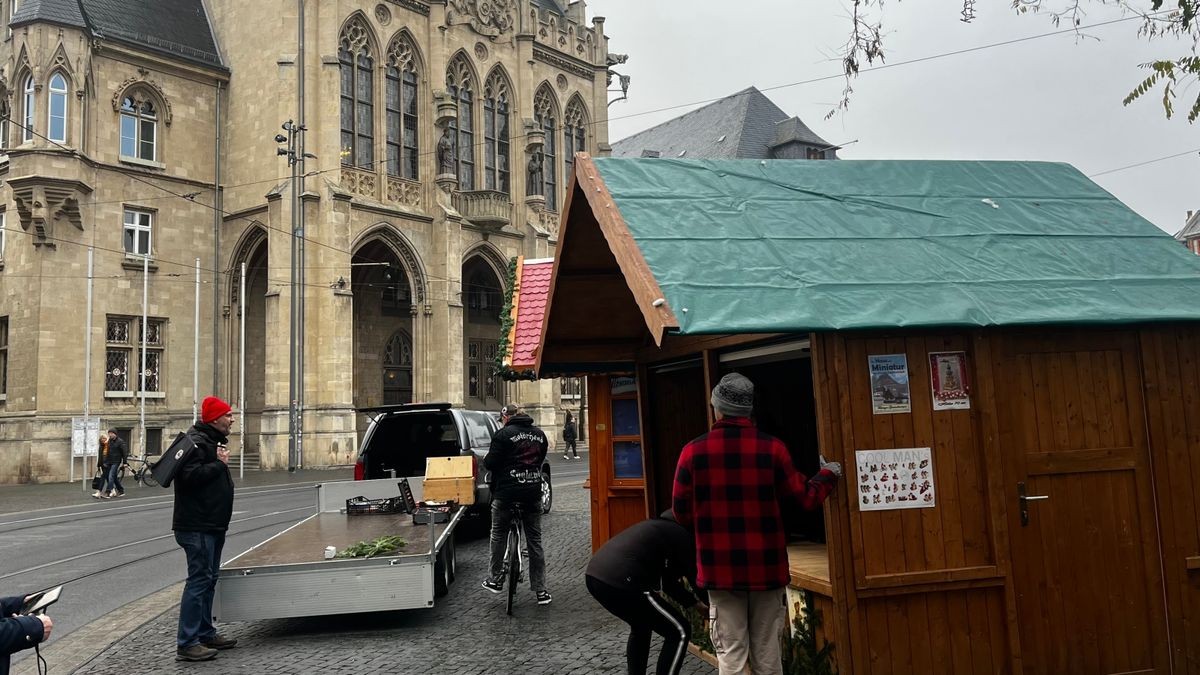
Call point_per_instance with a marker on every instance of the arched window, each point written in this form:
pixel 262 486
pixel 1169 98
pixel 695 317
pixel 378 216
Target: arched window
pixel 574 135
pixel 544 112
pixel 397 369
pixel 57 125
pixel 27 112
pixel 402 109
pixel 495 133
pixel 460 84
pixel 358 98
pixel 4 115
pixel 139 127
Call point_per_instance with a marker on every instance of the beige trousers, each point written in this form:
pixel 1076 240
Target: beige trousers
pixel 745 629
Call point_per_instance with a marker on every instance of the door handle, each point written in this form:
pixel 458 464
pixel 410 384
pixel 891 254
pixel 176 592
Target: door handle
pixel 1024 499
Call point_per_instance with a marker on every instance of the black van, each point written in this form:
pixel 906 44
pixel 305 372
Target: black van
pixel 401 437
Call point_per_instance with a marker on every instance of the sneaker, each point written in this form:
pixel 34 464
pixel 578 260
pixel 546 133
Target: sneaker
pixel 196 652
pixel 543 597
pixel 219 641
pixel 576 456
pixel 568 457
pixel 122 494
pixel 105 495
pixel 493 586
pixel 96 495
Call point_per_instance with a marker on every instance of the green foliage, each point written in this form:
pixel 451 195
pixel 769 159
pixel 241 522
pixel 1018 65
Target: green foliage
pixel 1168 73
pixel 369 549
pixel 801 654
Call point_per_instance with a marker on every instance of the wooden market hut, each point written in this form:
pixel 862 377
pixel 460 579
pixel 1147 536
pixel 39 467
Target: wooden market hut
pixel 1050 343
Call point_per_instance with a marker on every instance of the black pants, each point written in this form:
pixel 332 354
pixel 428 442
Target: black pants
pixel 571 447
pixel 646 612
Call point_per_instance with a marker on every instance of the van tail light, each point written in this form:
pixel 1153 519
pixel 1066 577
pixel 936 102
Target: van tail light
pixel 360 471
pixel 474 465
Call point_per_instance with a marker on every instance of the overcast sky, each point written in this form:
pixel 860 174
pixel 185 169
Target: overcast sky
pixel 1054 98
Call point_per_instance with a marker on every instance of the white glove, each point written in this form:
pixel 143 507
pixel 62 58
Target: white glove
pixel 833 467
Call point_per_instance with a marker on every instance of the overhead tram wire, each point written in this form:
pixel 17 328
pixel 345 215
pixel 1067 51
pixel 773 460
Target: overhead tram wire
pixel 191 197
pixel 1193 151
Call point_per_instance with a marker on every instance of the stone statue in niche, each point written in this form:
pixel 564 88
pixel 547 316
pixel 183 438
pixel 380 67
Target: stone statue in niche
pixel 445 153
pixel 534 184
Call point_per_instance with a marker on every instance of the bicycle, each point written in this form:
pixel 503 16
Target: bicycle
pixel 141 475
pixel 514 554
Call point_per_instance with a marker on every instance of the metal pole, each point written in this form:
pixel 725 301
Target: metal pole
pixel 242 369
pixel 87 372
pixel 300 227
pixel 142 375
pixel 196 348
pixel 294 379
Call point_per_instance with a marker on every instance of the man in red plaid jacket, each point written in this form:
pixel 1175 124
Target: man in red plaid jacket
pixel 730 485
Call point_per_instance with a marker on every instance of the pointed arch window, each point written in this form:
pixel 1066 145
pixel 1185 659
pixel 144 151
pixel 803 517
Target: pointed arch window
pixel 397 369
pixel 543 108
pixel 462 130
pixel 5 112
pixel 496 161
pixel 358 98
pixel 401 105
pixel 139 128
pixel 574 136
pixel 28 109
pixel 57 123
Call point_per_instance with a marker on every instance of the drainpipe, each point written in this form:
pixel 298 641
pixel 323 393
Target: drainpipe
pixel 218 206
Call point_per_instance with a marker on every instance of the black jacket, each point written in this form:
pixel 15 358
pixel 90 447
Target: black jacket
pixel 515 459
pixel 116 453
pixel 649 556
pixel 16 632
pixel 569 431
pixel 203 485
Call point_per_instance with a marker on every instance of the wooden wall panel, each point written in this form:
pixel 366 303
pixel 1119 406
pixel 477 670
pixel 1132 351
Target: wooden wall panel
pixel 952 541
pixel 1171 362
pixel 961 632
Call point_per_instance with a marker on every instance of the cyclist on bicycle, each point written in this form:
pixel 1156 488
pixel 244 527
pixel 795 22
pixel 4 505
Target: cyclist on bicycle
pixel 515 459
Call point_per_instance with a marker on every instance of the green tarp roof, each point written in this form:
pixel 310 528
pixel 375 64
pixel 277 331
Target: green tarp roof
pixel 749 246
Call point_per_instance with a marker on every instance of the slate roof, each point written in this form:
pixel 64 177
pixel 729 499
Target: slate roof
pixel 176 28
pixel 1191 229
pixel 548 5
pixel 741 126
pixel 533 288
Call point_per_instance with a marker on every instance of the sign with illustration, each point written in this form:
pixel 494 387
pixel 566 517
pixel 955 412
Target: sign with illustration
pixel 895 479
pixel 948 375
pixel 889 384
pixel 85 442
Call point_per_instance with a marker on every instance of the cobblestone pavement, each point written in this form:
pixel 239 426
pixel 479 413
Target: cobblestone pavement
pixel 466 633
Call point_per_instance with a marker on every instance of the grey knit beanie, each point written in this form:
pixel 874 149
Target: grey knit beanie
pixel 733 396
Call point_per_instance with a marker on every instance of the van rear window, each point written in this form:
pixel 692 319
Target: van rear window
pixel 403 442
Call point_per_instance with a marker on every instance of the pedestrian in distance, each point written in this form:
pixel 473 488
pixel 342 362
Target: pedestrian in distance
pixel 101 474
pixel 203 507
pixel 515 459
pixel 625 577
pixel 728 487
pixel 569 435
pixel 19 632
pixel 115 453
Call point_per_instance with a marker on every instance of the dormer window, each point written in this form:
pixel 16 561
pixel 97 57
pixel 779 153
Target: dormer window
pixel 139 130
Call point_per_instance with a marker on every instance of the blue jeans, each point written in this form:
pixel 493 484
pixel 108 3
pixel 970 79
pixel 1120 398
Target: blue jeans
pixel 203 550
pixel 112 478
pixel 532 520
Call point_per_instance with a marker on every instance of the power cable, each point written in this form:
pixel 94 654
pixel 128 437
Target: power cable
pixel 1149 161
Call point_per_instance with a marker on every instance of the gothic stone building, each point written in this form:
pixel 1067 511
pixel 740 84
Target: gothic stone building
pixel 441 134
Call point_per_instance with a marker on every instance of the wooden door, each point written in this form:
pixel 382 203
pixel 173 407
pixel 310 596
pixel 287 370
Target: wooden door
pixel 1086 566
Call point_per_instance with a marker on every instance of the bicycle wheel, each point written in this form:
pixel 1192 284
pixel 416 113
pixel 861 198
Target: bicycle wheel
pixel 148 478
pixel 513 563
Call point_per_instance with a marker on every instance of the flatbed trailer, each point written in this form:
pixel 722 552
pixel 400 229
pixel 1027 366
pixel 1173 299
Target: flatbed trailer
pixel 289 576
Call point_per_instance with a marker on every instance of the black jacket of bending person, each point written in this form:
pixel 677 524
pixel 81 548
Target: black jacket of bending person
pixel 652 555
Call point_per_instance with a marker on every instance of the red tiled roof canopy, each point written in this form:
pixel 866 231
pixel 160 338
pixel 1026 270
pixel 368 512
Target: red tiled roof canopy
pixel 532 291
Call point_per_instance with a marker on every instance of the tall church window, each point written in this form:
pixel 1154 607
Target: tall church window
pixel 401 105
pixel 545 114
pixel 460 84
pixel 358 98
pixel 574 135
pixel 57 123
pixel 139 128
pixel 27 113
pixel 397 369
pixel 496 134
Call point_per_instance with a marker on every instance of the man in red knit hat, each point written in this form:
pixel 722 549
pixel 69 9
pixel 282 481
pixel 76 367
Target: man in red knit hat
pixel 203 507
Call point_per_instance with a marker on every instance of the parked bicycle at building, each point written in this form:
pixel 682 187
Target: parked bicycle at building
pixel 142 474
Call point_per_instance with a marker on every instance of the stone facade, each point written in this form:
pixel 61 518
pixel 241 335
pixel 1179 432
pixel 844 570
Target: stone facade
pixel 402 272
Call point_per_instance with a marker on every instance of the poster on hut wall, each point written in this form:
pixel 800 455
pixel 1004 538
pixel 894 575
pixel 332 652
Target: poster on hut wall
pixel 895 479
pixel 889 384
pixel 948 375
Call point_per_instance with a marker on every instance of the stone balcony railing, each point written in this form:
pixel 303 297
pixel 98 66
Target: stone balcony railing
pixel 404 191
pixel 395 189
pixel 486 208
pixel 360 182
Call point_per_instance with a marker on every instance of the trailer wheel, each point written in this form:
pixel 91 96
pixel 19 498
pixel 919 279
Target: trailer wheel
pixel 441 576
pixel 452 557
